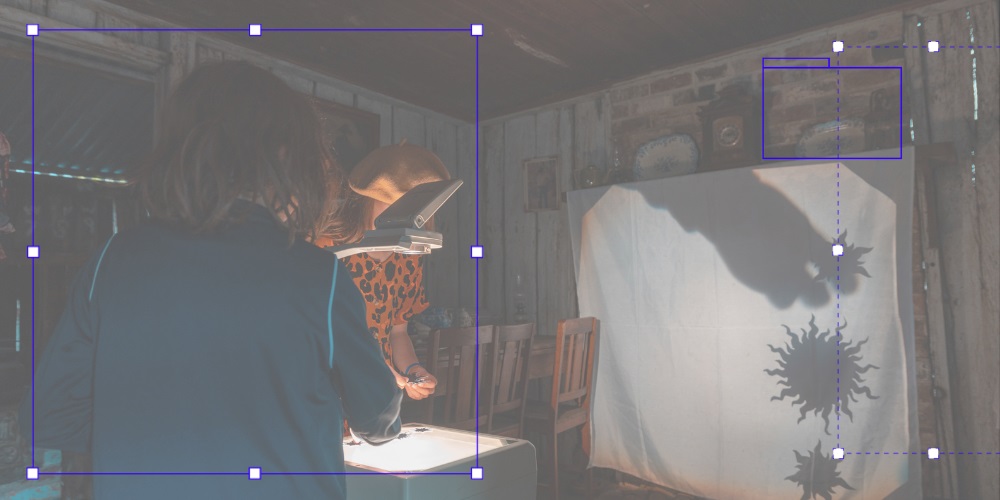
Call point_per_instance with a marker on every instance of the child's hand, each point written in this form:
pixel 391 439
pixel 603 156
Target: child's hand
pixel 400 380
pixel 423 383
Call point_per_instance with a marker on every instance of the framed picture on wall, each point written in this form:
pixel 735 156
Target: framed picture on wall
pixel 349 132
pixel 541 184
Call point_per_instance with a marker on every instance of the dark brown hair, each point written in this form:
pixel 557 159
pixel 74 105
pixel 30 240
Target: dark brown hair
pixel 232 130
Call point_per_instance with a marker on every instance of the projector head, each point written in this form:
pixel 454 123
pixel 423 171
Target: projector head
pixel 399 228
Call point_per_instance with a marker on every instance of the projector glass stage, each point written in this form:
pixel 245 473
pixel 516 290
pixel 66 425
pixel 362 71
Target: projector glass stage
pixel 419 448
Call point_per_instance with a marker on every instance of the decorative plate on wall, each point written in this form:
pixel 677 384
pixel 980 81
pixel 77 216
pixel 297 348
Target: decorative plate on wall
pixel 669 155
pixel 821 140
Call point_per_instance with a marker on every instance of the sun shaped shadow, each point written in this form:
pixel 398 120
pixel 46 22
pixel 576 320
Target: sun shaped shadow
pixel 808 371
pixel 817 474
pixel 848 268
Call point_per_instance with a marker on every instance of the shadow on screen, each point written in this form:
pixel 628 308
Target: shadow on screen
pixel 767 243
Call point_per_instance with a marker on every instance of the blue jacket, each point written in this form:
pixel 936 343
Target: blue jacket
pixel 195 354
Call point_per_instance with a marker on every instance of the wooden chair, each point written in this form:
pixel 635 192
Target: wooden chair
pixel 568 408
pixel 512 351
pixel 452 359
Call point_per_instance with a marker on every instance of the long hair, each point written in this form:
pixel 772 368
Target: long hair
pixel 354 217
pixel 232 130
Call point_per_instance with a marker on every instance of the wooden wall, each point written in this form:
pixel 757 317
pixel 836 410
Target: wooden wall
pixel 167 57
pixel 968 216
pixel 534 245
pixel 939 96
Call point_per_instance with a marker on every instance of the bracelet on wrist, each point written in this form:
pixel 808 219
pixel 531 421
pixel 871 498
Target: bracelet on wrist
pixel 406 373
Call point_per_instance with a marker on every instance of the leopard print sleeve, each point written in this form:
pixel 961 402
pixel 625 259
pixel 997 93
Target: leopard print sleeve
pixel 410 289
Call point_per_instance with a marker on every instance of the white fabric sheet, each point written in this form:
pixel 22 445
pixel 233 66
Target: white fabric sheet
pixel 695 278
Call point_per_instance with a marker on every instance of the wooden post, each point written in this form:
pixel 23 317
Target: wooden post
pixel 955 83
pixel 929 157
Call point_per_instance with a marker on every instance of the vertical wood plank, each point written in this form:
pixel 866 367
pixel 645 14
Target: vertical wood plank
pixel 176 70
pixel 950 100
pixel 961 296
pixel 562 302
pixel 944 472
pixel 467 217
pixel 519 226
pixel 915 92
pixel 467 368
pixel 507 373
pixel 384 111
pixel 986 412
pixel 442 265
pixel 408 124
pixel 575 352
pixel 591 122
pixel 493 299
pixel 179 64
pixel 935 417
pixel 547 132
pixel 927 417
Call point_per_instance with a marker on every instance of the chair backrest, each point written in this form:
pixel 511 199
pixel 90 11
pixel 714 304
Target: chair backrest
pixel 453 357
pixel 574 363
pixel 513 349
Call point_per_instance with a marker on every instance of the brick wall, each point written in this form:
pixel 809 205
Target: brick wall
pixel 668 101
